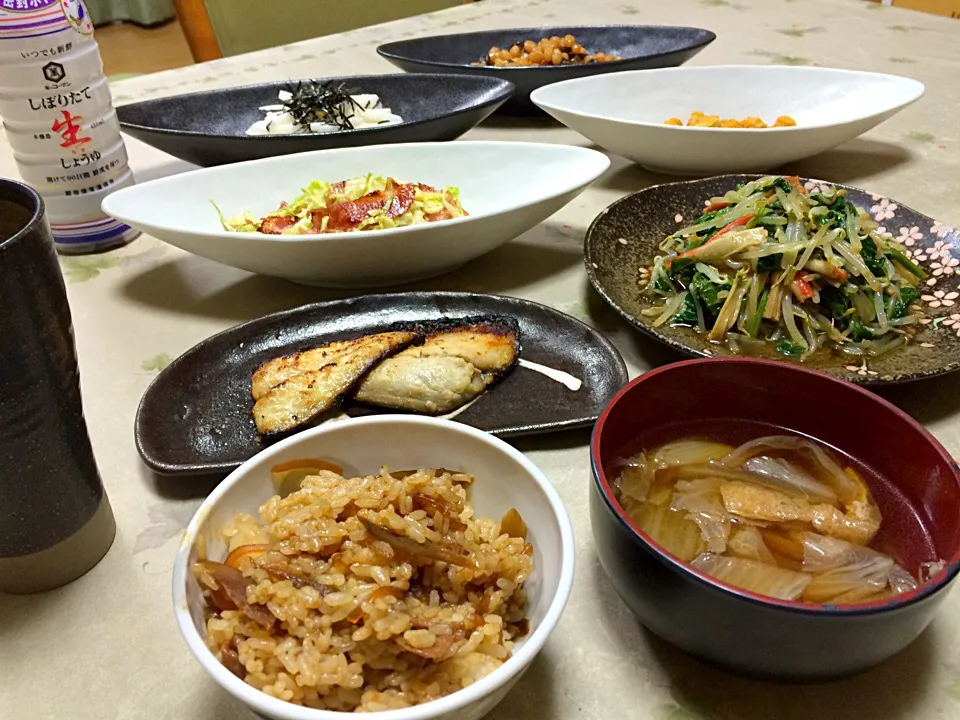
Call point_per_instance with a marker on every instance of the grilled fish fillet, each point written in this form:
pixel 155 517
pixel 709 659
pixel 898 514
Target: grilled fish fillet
pixel 433 385
pixel 448 370
pixel 489 345
pixel 313 381
pixel 276 371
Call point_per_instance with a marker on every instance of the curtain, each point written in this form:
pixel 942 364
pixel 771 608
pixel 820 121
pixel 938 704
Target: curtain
pixel 142 12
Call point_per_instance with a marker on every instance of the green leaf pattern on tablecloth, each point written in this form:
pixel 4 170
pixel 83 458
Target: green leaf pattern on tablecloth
pixel 166 521
pixel 953 689
pixel 781 59
pixel 81 268
pixel 921 137
pixel 672 711
pixel 903 60
pixel 724 3
pixel 799 32
pixel 577 309
pixel 157 363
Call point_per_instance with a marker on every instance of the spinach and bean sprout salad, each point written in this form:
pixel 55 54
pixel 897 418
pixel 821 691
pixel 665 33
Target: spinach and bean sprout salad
pixel 770 263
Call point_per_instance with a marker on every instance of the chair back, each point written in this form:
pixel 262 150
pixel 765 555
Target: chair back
pixel 221 28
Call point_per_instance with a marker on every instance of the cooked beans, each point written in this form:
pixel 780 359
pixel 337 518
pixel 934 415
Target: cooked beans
pixel 548 51
pixel 698 119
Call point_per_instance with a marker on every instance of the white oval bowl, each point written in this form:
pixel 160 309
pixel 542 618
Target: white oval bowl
pixel 504 478
pixel 625 113
pixel 507 187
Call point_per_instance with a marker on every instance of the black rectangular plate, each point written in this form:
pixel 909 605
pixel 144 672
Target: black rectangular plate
pixel 195 416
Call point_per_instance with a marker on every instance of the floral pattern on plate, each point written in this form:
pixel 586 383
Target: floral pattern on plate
pixel 619 272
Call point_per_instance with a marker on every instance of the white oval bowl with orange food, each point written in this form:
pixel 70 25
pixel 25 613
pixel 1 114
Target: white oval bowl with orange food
pixel 505 187
pixel 627 113
pixel 504 479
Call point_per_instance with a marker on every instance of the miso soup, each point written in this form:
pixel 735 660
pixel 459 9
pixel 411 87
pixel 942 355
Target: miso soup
pixel 777 514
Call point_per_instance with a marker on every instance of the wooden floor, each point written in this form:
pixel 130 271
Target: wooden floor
pixel 129 48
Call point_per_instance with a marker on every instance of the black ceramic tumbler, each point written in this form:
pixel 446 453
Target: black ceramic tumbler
pixel 55 519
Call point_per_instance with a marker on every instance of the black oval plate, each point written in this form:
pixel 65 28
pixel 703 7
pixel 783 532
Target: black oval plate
pixel 195 416
pixel 209 128
pixel 641 47
pixel 626 235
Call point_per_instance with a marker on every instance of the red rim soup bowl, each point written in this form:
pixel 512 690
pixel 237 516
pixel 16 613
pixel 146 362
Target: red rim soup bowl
pixel 734 628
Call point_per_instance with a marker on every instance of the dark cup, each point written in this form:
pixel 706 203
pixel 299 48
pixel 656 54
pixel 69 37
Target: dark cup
pixel 55 519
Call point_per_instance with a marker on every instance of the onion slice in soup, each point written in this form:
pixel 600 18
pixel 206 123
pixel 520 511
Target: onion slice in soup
pixel 901 581
pixel 822 552
pixel 689 452
pixel 636 478
pixel 746 542
pixel 845 487
pixel 702 502
pixel 846 572
pixel 855 582
pixel 672 530
pixel 785 474
pixel 757 577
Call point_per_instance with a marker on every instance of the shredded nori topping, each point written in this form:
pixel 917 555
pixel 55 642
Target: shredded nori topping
pixel 321 102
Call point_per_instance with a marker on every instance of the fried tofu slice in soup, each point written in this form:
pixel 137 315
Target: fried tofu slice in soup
pixel 448 370
pixel 313 381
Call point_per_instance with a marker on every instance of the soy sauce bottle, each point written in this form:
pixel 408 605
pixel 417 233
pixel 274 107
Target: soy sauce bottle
pixel 59 118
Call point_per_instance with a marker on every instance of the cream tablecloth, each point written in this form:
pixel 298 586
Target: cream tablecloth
pixel 107 646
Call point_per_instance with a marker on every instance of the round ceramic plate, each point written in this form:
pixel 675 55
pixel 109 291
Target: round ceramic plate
pixel 622 241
